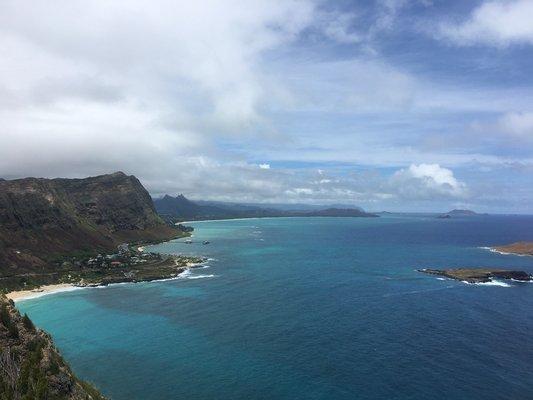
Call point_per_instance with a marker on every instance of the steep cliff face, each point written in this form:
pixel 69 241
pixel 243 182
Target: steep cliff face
pixel 41 219
pixel 30 365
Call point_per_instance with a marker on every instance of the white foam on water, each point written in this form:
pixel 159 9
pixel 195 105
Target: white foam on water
pixel 200 276
pixel 503 253
pixel 184 274
pixel 188 274
pixel 491 283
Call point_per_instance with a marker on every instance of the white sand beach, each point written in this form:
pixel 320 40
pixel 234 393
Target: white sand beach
pixel 19 295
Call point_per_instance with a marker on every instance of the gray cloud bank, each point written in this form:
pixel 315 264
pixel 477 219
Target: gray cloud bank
pixel 188 96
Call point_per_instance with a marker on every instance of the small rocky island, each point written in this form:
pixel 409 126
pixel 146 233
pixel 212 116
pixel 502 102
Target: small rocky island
pixel 459 213
pixel 518 248
pixel 479 275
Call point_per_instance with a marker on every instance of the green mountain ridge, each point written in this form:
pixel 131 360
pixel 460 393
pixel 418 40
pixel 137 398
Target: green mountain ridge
pixel 43 219
pixel 180 208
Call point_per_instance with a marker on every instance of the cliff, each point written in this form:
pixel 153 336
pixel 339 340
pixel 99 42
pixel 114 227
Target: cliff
pixel 43 219
pixel 30 365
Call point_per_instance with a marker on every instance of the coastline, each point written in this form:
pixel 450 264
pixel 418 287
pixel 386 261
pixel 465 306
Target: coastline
pixel 19 295
pixel 44 290
pixel 504 253
pixel 231 219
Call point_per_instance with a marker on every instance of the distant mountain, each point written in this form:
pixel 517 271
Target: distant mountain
pixel 273 206
pixel 180 208
pixel 178 205
pixel 42 219
pixel 459 213
pixel 339 212
pixel 462 213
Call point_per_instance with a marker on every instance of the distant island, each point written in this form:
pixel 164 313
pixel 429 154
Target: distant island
pixel 179 208
pixel 459 213
pixel 518 248
pixel 479 275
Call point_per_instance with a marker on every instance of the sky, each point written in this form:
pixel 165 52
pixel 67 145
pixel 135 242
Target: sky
pixel 399 105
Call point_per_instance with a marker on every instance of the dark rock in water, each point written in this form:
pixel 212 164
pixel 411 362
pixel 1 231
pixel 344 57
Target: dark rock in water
pixel 479 275
pixel 444 216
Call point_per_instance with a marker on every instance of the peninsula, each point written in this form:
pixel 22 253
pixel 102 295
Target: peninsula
pixel 518 248
pixel 479 275
pixel 70 231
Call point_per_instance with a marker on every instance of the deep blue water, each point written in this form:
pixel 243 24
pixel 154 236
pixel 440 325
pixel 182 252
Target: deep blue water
pixel 311 308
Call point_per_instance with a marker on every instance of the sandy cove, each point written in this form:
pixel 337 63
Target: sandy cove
pixel 19 295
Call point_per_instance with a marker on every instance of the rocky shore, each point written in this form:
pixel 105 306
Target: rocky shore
pixel 518 248
pixel 479 275
pixel 31 366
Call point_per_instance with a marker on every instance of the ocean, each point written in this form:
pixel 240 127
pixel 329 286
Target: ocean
pixel 310 308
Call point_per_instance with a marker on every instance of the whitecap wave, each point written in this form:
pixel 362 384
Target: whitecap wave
pixel 491 283
pixel 200 276
pixel 188 274
pixel 503 253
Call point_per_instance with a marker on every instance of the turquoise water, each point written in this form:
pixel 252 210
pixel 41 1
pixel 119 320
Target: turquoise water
pixel 310 308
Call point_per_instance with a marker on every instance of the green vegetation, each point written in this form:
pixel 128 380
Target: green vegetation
pixel 31 367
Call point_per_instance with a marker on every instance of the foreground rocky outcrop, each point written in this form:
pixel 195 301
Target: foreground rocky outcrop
pixel 42 220
pixel 519 248
pixel 30 366
pixel 479 275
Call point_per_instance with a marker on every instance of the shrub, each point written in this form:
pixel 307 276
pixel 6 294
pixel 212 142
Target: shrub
pixel 27 323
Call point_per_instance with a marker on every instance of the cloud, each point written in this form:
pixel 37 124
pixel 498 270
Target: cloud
pixel 497 23
pixel 90 87
pixel 339 27
pixel 426 181
pixel 517 124
pixel 193 96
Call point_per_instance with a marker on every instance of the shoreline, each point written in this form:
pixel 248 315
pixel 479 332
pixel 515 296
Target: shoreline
pixel 232 219
pixel 503 253
pixel 44 290
pixel 19 295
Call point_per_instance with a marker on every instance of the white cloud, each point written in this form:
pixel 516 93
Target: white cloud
pixel 264 166
pixel 340 27
pixel 90 87
pixel 496 22
pixel 517 124
pixel 427 181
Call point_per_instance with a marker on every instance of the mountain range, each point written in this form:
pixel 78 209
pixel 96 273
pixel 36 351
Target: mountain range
pixel 42 219
pixel 180 208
